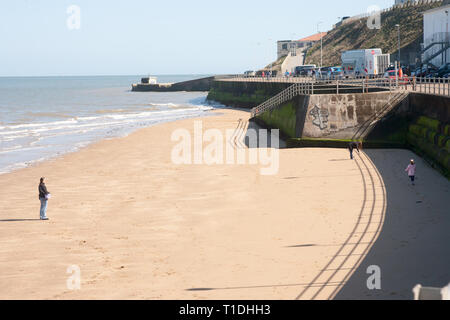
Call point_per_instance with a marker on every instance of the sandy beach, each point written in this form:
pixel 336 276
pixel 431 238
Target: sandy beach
pixel 141 227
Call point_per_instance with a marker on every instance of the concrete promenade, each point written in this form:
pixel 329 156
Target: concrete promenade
pixel 438 86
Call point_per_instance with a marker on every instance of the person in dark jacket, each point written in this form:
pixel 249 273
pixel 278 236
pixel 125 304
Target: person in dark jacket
pixel 354 145
pixel 43 197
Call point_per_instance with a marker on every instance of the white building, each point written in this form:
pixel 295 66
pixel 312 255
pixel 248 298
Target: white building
pixel 295 51
pixel 436 36
pixel 285 47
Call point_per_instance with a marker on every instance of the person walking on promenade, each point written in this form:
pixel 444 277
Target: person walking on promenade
pixel 411 169
pixel 44 195
pixel 354 145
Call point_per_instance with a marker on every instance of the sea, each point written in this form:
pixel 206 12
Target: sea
pixel 44 117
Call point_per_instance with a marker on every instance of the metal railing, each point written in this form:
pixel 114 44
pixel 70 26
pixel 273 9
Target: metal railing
pixel 436 86
pixel 285 95
pixel 394 100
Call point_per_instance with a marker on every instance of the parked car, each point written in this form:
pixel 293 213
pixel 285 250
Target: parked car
pixel 405 70
pixel 337 72
pixel 425 70
pixel 402 79
pixel 249 73
pixel 325 72
pixel 415 72
pixel 445 69
pixel 304 70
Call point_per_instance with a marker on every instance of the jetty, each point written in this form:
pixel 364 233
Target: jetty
pixel 202 84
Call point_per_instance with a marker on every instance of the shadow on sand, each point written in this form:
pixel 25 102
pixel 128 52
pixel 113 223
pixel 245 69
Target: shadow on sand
pixel 413 246
pixel 260 143
pixel 18 220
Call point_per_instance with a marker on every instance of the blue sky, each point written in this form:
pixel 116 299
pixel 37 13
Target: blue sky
pixel 157 37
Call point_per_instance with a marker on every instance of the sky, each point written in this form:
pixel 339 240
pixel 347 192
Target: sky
pixel 131 37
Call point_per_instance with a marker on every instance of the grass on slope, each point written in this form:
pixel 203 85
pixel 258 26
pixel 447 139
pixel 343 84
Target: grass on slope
pixel 356 35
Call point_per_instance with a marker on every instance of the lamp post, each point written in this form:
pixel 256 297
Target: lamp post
pixel 271 62
pixel 446 36
pixel 321 44
pixel 399 56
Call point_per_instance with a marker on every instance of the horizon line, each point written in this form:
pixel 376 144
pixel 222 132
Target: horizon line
pixel 108 75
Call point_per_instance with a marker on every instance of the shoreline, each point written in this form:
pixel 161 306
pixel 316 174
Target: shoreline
pixel 83 145
pixel 140 227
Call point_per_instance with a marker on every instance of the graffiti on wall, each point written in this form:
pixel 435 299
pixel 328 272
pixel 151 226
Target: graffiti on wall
pixel 320 117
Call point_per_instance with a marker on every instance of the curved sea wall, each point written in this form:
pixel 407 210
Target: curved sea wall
pixel 244 94
pixel 419 122
pixel 325 116
pixel 429 131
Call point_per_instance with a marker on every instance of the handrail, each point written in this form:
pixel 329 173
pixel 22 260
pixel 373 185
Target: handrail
pixel 436 86
pixel 392 102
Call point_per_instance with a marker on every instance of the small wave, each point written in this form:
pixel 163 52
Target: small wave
pixel 58 137
pixel 164 104
pixel 49 114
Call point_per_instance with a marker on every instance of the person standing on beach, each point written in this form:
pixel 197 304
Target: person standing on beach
pixel 354 145
pixel 43 197
pixel 411 169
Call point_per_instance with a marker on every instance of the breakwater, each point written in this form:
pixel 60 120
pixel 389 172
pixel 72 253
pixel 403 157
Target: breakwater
pixel 203 84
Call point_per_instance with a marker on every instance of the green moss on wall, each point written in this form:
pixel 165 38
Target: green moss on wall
pixel 283 117
pixel 244 94
pixel 428 123
pixel 447 130
pixel 237 100
pixel 430 138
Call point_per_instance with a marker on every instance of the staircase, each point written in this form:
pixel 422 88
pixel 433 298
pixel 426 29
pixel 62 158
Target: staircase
pixel 445 47
pixel 285 95
pixel 370 123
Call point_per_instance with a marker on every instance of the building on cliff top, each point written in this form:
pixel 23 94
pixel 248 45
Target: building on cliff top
pixel 285 47
pixel 436 39
pixel 295 51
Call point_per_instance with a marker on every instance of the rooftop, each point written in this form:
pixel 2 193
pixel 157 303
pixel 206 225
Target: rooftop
pixel 315 37
pixel 443 7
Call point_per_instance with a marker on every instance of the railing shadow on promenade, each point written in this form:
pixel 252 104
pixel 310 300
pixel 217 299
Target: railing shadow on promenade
pixel 412 247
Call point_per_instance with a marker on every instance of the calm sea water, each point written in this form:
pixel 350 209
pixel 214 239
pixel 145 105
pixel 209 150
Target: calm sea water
pixel 41 118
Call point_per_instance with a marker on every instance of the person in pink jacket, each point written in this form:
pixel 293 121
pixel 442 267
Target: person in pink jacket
pixel 411 169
